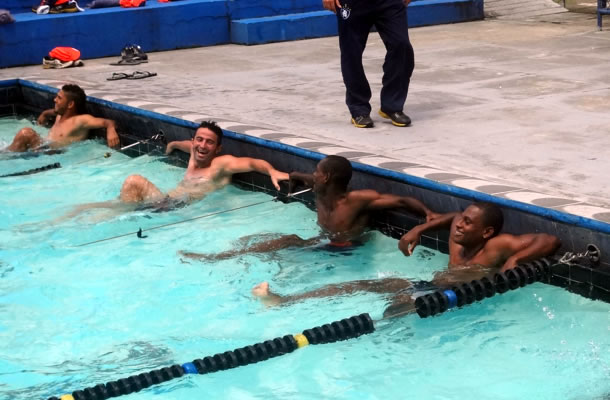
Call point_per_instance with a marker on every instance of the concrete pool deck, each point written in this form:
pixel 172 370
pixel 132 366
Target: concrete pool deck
pixel 513 108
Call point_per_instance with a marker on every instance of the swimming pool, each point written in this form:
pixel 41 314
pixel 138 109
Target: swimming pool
pixel 72 317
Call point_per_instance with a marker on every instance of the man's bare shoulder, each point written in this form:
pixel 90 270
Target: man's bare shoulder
pixel 502 241
pixel 223 160
pixel 81 117
pixel 78 120
pixel 362 195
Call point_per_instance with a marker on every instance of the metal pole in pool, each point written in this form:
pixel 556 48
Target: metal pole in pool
pixel 58 165
pixel 158 136
pixel 348 328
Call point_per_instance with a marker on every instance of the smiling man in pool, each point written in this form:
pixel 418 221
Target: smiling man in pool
pixel 71 124
pixel 206 172
pixel 476 249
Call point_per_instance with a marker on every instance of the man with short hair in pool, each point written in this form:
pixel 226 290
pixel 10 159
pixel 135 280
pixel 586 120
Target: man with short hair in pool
pixel 343 215
pixel 206 172
pixel 476 249
pixel 71 124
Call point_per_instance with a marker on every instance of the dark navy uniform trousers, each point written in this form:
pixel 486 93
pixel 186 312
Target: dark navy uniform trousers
pixel 355 19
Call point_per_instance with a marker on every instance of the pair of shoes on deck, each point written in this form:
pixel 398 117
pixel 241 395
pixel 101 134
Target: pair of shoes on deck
pixel 50 7
pixel 55 63
pixel 132 54
pixel 398 118
pixel 136 75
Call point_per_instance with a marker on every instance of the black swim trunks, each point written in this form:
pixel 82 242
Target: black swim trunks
pixel 164 205
pixel 340 247
pixel 419 288
pixel 32 154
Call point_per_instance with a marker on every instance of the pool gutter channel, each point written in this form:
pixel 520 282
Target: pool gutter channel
pixel 575 232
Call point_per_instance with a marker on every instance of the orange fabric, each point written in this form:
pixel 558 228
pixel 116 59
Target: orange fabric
pixel 132 3
pixel 65 53
pixel 58 2
pixel 341 244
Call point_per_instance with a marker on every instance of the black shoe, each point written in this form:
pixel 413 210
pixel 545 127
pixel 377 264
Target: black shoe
pixel 398 118
pixel 69 7
pixel 363 121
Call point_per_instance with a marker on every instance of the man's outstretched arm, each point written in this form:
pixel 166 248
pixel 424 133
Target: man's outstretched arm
pixel 410 240
pixel 385 201
pixel 182 145
pixel 528 247
pixel 90 122
pixel 45 116
pixel 234 165
pixel 299 177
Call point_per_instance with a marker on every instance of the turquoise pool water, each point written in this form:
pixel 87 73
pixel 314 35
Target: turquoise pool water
pixel 72 317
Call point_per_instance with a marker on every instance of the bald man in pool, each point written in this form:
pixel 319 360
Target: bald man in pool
pixel 343 214
pixel 206 172
pixel 476 249
pixel 71 124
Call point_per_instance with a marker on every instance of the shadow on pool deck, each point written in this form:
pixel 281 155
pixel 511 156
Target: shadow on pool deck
pixel 522 103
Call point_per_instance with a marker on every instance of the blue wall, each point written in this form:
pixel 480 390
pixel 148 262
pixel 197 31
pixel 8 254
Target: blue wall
pixel 190 23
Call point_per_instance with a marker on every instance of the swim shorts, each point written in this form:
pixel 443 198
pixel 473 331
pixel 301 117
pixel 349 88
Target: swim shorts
pixel 164 205
pixel 419 288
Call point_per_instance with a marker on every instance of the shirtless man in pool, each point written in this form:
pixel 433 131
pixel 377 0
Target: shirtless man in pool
pixel 71 124
pixel 206 172
pixel 476 249
pixel 343 214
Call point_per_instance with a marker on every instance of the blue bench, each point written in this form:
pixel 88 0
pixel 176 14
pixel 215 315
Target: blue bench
pixel 18 6
pixel 158 26
pixel 104 32
pixel 241 9
pixel 315 24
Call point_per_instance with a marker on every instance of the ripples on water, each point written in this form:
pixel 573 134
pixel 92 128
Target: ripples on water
pixel 75 317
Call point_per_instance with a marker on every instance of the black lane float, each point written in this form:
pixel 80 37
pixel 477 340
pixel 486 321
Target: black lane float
pixel 33 170
pixel 344 329
pixel 426 305
pixel 468 292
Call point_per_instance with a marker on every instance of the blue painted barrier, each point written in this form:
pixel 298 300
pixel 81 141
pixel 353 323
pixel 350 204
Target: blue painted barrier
pixel 242 9
pixel 158 26
pixel 324 23
pixel 284 27
pixel 15 6
pixel 104 32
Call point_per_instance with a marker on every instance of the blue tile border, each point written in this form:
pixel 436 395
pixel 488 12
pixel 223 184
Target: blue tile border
pixel 575 230
pixel 433 178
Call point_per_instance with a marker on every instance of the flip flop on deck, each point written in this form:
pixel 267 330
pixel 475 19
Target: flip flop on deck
pixel 141 75
pixel 118 75
pixel 130 61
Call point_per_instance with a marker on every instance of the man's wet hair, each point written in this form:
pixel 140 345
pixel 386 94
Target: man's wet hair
pixel 213 126
pixel 492 216
pixel 77 95
pixel 339 169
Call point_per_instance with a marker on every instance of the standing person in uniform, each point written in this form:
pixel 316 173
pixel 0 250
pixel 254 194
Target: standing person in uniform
pixel 355 19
